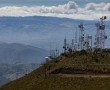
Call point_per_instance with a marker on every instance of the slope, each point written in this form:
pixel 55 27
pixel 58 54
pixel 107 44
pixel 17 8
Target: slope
pixel 43 78
pixel 9 72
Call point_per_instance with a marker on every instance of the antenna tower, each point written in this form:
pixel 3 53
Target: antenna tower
pixel 81 36
pixel 65 45
pixel 100 35
pixel 89 41
pixel 76 41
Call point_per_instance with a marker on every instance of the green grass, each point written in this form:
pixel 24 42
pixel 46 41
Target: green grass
pixel 61 83
pixel 37 80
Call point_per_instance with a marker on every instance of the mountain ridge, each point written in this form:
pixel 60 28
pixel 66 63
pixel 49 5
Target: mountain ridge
pixel 13 52
pixel 43 79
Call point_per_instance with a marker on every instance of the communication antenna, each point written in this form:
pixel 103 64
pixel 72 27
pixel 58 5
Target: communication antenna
pixel 81 36
pixel 65 45
pixel 76 41
pixel 97 36
pixel 51 51
pixel 89 42
pixel 72 44
pixel 100 35
pixel 56 52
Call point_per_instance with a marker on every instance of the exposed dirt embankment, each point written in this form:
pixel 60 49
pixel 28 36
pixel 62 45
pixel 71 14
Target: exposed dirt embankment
pixel 78 71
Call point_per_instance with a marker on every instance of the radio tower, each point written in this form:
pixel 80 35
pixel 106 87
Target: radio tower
pixel 76 41
pixel 65 45
pixel 100 35
pixel 81 36
pixel 72 44
pixel 89 41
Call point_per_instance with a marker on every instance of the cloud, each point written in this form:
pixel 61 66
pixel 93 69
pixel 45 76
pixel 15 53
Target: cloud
pixel 91 11
pixel 100 6
pixel 94 6
pixel 107 7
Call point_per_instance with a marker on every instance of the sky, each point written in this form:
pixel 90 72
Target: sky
pixel 45 2
pixel 74 9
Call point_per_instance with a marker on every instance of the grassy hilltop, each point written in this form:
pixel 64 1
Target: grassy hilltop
pixel 76 71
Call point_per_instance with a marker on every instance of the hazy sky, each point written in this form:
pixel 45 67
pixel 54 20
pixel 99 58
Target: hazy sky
pixel 75 9
pixel 45 2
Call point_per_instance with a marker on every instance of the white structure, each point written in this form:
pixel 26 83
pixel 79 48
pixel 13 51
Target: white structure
pixel 89 42
pixel 100 35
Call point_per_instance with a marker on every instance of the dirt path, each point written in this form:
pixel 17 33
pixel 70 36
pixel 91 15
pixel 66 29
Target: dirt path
pixel 82 75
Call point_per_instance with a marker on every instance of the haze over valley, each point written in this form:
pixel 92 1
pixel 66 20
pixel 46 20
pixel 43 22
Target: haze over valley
pixel 29 29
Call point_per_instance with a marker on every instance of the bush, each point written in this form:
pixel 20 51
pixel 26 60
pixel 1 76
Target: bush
pixel 83 52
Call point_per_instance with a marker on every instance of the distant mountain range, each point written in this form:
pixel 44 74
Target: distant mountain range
pixel 41 31
pixel 17 59
pixel 18 53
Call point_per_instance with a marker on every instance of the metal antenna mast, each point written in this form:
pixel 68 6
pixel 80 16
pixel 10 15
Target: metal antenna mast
pixel 72 44
pixel 89 41
pixel 76 42
pixel 65 45
pixel 56 52
pixel 81 36
pixel 100 35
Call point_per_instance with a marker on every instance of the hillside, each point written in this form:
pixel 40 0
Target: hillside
pixel 19 53
pixel 10 72
pixel 90 71
pixel 17 59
